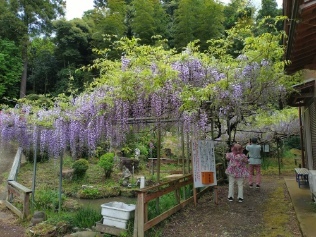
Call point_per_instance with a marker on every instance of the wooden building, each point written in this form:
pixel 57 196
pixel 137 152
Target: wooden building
pixel 300 49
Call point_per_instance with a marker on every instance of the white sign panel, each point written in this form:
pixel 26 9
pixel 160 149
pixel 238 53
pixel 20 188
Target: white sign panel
pixel 203 160
pixel 266 148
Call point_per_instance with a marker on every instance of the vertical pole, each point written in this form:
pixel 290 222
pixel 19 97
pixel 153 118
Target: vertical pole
pixel 152 160
pixel 194 195
pixel 158 152
pixel 212 124
pixel 188 152
pixel 158 161
pixel 140 214
pixel 229 132
pixel 26 201
pixel 183 160
pixel 34 168
pixel 177 194
pixel 182 148
pixel 60 182
pixel 278 149
pixel 301 135
pixel 135 231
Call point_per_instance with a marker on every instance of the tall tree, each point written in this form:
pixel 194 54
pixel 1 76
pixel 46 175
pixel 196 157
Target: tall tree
pixel 108 20
pixel 73 42
pixel 185 23
pixel 43 67
pixel 232 12
pixel 209 22
pixel 104 3
pixel 266 17
pixel 197 20
pixel 73 51
pixel 149 19
pixel 10 26
pixel 170 6
pixel 10 69
pixel 33 17
pixel 99 3
pixel 268 8
pixel 239 14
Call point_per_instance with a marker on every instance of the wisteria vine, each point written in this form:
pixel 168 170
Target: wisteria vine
pixel 92 118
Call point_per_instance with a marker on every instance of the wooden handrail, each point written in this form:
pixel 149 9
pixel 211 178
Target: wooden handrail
pixel 18 190
pixel 145 195
pixel 16 165
pixel 15 189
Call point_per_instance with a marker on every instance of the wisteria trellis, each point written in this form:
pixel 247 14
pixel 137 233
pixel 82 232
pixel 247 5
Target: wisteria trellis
pixel 103 114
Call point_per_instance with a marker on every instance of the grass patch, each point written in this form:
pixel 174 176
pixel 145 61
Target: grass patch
pixel 86 217
pixel 313 206
pixel 165 203
pixel 273 165
pixel 276 217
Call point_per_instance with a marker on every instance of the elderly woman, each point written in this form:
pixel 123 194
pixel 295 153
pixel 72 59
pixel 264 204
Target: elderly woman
pixel 237 171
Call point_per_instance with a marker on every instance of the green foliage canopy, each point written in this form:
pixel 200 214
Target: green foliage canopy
pixel 10 69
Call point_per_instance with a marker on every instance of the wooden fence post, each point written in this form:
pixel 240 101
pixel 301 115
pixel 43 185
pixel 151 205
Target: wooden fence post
pixel 140 214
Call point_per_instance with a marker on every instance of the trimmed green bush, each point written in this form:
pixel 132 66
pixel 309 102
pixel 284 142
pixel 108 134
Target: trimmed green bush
pixel 80 168
pixel 107 162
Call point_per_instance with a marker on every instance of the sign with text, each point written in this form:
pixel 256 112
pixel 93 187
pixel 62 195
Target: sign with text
pixel 204 166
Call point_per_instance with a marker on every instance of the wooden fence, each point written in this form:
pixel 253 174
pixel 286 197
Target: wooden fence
pixel 16 190
pixel 144 196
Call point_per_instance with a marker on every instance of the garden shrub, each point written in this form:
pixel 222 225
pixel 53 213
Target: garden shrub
pixel 40 157
pixel 80 168
pixel 89 193
pixel 143 149
pixel 107 162
pixel 293 142
pixel 47 199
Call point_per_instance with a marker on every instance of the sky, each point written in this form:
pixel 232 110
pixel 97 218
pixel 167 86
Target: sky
pixel 76 10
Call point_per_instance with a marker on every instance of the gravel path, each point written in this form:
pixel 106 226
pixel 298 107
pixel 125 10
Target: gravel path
pixel 232 219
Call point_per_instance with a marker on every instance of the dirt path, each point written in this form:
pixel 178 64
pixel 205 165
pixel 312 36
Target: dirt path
pixel 267 211
pixel 9 223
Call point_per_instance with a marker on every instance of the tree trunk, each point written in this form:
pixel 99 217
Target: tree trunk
pixel 24 74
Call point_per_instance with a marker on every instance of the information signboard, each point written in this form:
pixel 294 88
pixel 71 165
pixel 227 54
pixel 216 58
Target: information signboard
pixel 204 166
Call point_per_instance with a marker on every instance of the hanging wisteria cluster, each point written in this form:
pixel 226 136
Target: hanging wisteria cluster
pixel 104 114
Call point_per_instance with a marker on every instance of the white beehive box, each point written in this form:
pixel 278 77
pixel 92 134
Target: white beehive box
pixel 117 214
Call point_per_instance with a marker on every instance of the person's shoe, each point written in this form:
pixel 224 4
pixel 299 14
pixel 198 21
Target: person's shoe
pixel 250 185
pixel 257 186
pixel 230 199
pixel 240 199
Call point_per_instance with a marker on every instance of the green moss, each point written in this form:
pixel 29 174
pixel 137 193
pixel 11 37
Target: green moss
pixel 276 217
